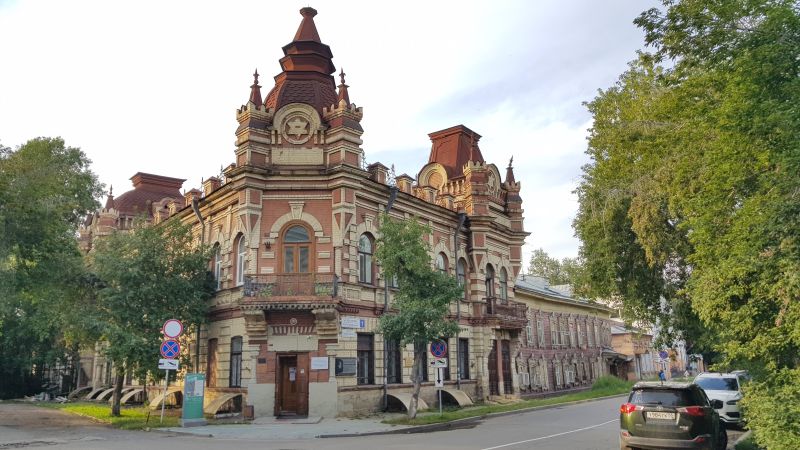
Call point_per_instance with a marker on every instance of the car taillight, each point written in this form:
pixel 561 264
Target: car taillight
pixel 693 411
pixel 627 408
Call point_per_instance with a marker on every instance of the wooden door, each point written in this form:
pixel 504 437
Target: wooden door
pixel 493 378
pixel 508 382
pixel 288 387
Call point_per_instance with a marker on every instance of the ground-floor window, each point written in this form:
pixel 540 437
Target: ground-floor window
pixel 394 362
pixel 463 358
pixel 236 362
pixel 422 371
pixel 365 370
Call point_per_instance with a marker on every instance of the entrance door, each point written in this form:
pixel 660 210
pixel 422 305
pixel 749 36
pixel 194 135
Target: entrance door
pixel 288 386
pixel 492 363
pixel 292 389
pixel 508 382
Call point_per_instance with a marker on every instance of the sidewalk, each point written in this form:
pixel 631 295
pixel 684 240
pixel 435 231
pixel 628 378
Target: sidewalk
pixel 317 427
pixel 302 428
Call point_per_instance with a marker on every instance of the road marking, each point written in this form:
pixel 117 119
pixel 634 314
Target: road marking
pixel 551 436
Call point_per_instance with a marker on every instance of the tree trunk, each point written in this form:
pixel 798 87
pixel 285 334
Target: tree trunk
pixel 417 380
pixel 120 379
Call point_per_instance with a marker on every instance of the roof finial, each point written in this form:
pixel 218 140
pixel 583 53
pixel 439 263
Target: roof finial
pixel 255 91
pixel 511 162
pixel 343 94
pixel 111 190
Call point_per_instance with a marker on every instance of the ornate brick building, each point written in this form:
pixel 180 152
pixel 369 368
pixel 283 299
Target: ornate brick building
pixel 293 221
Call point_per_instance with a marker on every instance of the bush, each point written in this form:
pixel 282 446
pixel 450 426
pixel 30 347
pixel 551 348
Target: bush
pixel 610 382
pixel 772 410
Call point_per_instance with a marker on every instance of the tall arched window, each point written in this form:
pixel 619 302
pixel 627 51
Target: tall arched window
pixel 365 268
pixel 490 281
pixel 503 284
pixel 441 263
pixel 218 266
pixel 241 252
pixel 461 275
pixel 296 250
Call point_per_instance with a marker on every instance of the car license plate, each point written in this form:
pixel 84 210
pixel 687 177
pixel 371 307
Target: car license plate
pixel 660 415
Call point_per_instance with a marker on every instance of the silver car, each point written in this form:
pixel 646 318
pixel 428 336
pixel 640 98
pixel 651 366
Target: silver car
pixel 725 387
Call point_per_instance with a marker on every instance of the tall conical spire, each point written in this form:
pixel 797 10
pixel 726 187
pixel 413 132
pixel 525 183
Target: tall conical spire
pixel 510 172
pixel 110 198
pixel 307 31
pixel 343 94
pixel 255 91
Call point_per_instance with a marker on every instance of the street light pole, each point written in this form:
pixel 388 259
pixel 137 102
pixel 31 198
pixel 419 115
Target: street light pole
pixel 196 209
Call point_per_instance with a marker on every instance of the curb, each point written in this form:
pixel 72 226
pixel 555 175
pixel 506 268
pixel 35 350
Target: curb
pixel 744 436
pixel 460 423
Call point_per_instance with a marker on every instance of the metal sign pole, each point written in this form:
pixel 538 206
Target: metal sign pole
pixel 164 397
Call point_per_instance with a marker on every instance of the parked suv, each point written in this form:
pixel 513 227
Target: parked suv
pixel 670 415
pixel 725 387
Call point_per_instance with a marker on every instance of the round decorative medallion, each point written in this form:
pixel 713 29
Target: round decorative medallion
pixel 292 321
pixel 297 128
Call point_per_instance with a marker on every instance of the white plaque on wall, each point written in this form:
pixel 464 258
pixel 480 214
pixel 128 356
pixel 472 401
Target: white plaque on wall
pixel 319 363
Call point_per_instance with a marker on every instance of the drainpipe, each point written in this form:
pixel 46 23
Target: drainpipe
pixel 392 196
pixel 196 209
pixel 461 218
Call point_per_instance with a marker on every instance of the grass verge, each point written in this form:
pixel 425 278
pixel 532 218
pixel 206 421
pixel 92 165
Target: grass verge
pixel 747 444
pixel 603 387
pixel 131 418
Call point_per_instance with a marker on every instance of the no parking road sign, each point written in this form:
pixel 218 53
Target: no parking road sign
pixel 170 348
pixel 438 349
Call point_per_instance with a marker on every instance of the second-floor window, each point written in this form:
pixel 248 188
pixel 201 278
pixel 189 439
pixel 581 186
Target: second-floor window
pixel 365 268
pixel 218 266
pixel 503 284
pixel 461 274
pixel 490 282
pixel 241 253
pixel 296 250
pixel 441 263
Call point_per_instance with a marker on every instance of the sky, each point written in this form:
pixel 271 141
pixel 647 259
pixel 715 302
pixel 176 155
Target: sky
pixel 153 86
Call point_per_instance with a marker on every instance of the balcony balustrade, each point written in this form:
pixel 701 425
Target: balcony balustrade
pixel 508 313
pixel 291 285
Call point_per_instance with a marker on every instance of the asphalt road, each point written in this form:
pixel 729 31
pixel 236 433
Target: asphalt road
pixel 587 426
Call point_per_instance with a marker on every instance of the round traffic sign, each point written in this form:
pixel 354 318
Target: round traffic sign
pixel 439 349
pixel 172 328
pixel 170 348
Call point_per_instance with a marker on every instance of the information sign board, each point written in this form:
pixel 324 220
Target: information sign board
pixel 319 363
pixel 353 322
pixel 168 364
pixel 193 392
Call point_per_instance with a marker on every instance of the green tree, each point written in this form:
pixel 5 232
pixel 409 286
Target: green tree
pixel 689 208
pixel 46 189
pixel 565 271
pixel 421 305
pixel 145 277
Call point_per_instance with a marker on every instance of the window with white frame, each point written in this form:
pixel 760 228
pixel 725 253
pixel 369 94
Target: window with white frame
pixel 241 253
pixel 503 284
pixel 540 330
pixel 529 333
pixel 365 267
pixel 441 263
pixel 218 266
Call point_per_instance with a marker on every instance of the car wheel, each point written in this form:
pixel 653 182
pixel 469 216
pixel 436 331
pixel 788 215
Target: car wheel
pixel 722 439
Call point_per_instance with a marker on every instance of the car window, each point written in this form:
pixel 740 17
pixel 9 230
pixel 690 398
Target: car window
pixel 718 384
pixel 704 402
pixel 663 397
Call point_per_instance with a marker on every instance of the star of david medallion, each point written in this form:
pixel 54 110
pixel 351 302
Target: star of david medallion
pixel 296 129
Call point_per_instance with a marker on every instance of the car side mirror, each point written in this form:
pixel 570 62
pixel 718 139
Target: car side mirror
pixel 716 404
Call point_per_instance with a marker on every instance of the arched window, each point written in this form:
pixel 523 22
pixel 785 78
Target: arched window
pixel 296 250
pixel 241 252
pixel 218 266
pixel 503 284
pixel 441 263
pixel 365 268
pixel 461 275
pixel 490 281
